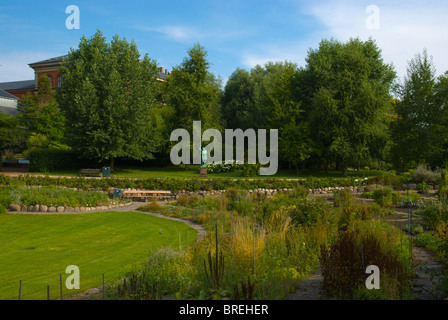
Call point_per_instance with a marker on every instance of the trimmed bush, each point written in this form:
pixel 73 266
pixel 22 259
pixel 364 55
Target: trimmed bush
pixel 45 160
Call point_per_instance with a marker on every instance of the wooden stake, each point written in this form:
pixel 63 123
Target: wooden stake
pixel 104 289
pixel 20 289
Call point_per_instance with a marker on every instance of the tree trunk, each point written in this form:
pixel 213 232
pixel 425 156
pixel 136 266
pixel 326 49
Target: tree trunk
pixel 326 166
pixel 344 172
pixel 111 164
pixel 289 163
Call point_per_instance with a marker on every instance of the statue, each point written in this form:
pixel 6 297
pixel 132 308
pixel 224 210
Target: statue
pixel 203 157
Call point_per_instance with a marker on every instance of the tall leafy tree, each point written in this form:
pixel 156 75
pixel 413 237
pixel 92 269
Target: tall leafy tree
pixel 351 95
pixel 13 136
pixel 39 113
pixel 238 106
pixel 107 95
pixel 194 93
pixel 418 114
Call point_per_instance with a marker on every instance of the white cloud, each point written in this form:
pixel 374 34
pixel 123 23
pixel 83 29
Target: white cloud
pixel 405 29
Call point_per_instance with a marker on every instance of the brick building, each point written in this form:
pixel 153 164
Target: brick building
pixel 49 67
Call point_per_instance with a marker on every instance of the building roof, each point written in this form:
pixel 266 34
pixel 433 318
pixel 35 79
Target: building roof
pixel 7 95
pixel 51 60
pixel 17 85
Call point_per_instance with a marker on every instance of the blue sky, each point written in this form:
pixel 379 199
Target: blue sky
pixel 236 34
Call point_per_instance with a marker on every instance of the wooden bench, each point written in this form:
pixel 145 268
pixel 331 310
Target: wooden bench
pixel 139 195
pixel 91 172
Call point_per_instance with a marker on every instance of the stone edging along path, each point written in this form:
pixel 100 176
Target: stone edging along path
pixel 61 209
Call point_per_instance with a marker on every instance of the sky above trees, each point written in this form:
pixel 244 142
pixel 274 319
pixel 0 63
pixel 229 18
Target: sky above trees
pixel 236 34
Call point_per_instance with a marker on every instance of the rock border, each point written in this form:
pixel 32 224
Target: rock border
pixel 60 209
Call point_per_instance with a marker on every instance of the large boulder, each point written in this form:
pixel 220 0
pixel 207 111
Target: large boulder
pixel 14 207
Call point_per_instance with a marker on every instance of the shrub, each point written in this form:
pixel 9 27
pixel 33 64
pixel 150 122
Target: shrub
pixel 433 213
pixel 412 228
pixel 342 198
pixel 2 209
pixel 442 193
pixel 152 206
pixel 385 197
pixel 423 187
pixel 365 243
pixel 46 160
pixel 191 200
pixel 424 174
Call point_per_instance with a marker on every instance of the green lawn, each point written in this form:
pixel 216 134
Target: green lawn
pixel 192 172
pixel 37 248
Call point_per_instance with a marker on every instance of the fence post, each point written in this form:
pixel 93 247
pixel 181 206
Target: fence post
pixel 60 284
pixel 20 289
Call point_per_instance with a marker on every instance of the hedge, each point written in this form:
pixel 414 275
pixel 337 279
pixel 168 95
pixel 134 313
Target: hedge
pixel 173 184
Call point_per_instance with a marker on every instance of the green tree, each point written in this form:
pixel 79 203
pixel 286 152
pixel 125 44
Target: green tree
pixel 194 93
pixel 351 95
pixel 107 95
pixel 39 113
pixel 238 104
pixel 420 127
pixel 13 136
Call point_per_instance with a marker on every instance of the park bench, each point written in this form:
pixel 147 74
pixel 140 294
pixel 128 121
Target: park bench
pixel 91 172
pixel 145 195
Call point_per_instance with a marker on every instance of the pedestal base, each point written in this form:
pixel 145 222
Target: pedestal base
pixel 202 172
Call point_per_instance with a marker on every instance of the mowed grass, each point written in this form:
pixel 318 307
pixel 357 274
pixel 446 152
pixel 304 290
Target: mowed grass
pixel 37 248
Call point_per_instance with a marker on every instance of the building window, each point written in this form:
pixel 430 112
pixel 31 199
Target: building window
pixel 51 80
pixel 59 81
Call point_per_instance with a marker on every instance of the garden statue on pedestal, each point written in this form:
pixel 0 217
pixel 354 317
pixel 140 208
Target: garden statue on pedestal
pixel 203 168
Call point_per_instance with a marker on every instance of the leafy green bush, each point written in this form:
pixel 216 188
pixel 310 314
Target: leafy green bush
pixel 423 187
pixel 442 193
pixel 46 160
pixel 386 197
pixel 342 198
pixel 413 228
pixel 51 196
pixel 433 213
pixel 424 174
pixel 2 209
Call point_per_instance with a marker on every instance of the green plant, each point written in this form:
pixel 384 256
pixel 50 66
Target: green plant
pixel 424 174
pixel 423 187
pixel 385 197
pixel 247 290
pixel 433 213
pixel 215 271
pixel 442 193
pixel 413 229
pixel 342 198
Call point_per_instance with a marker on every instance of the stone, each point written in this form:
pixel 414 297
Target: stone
pixel 60 209
pixel 43 208
pixel 36 208
pixel 14 207
pixel 30 208
pixel 82 209
pixel 51 209
pixel 23 208
pixel 69 209
pixel 76 209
